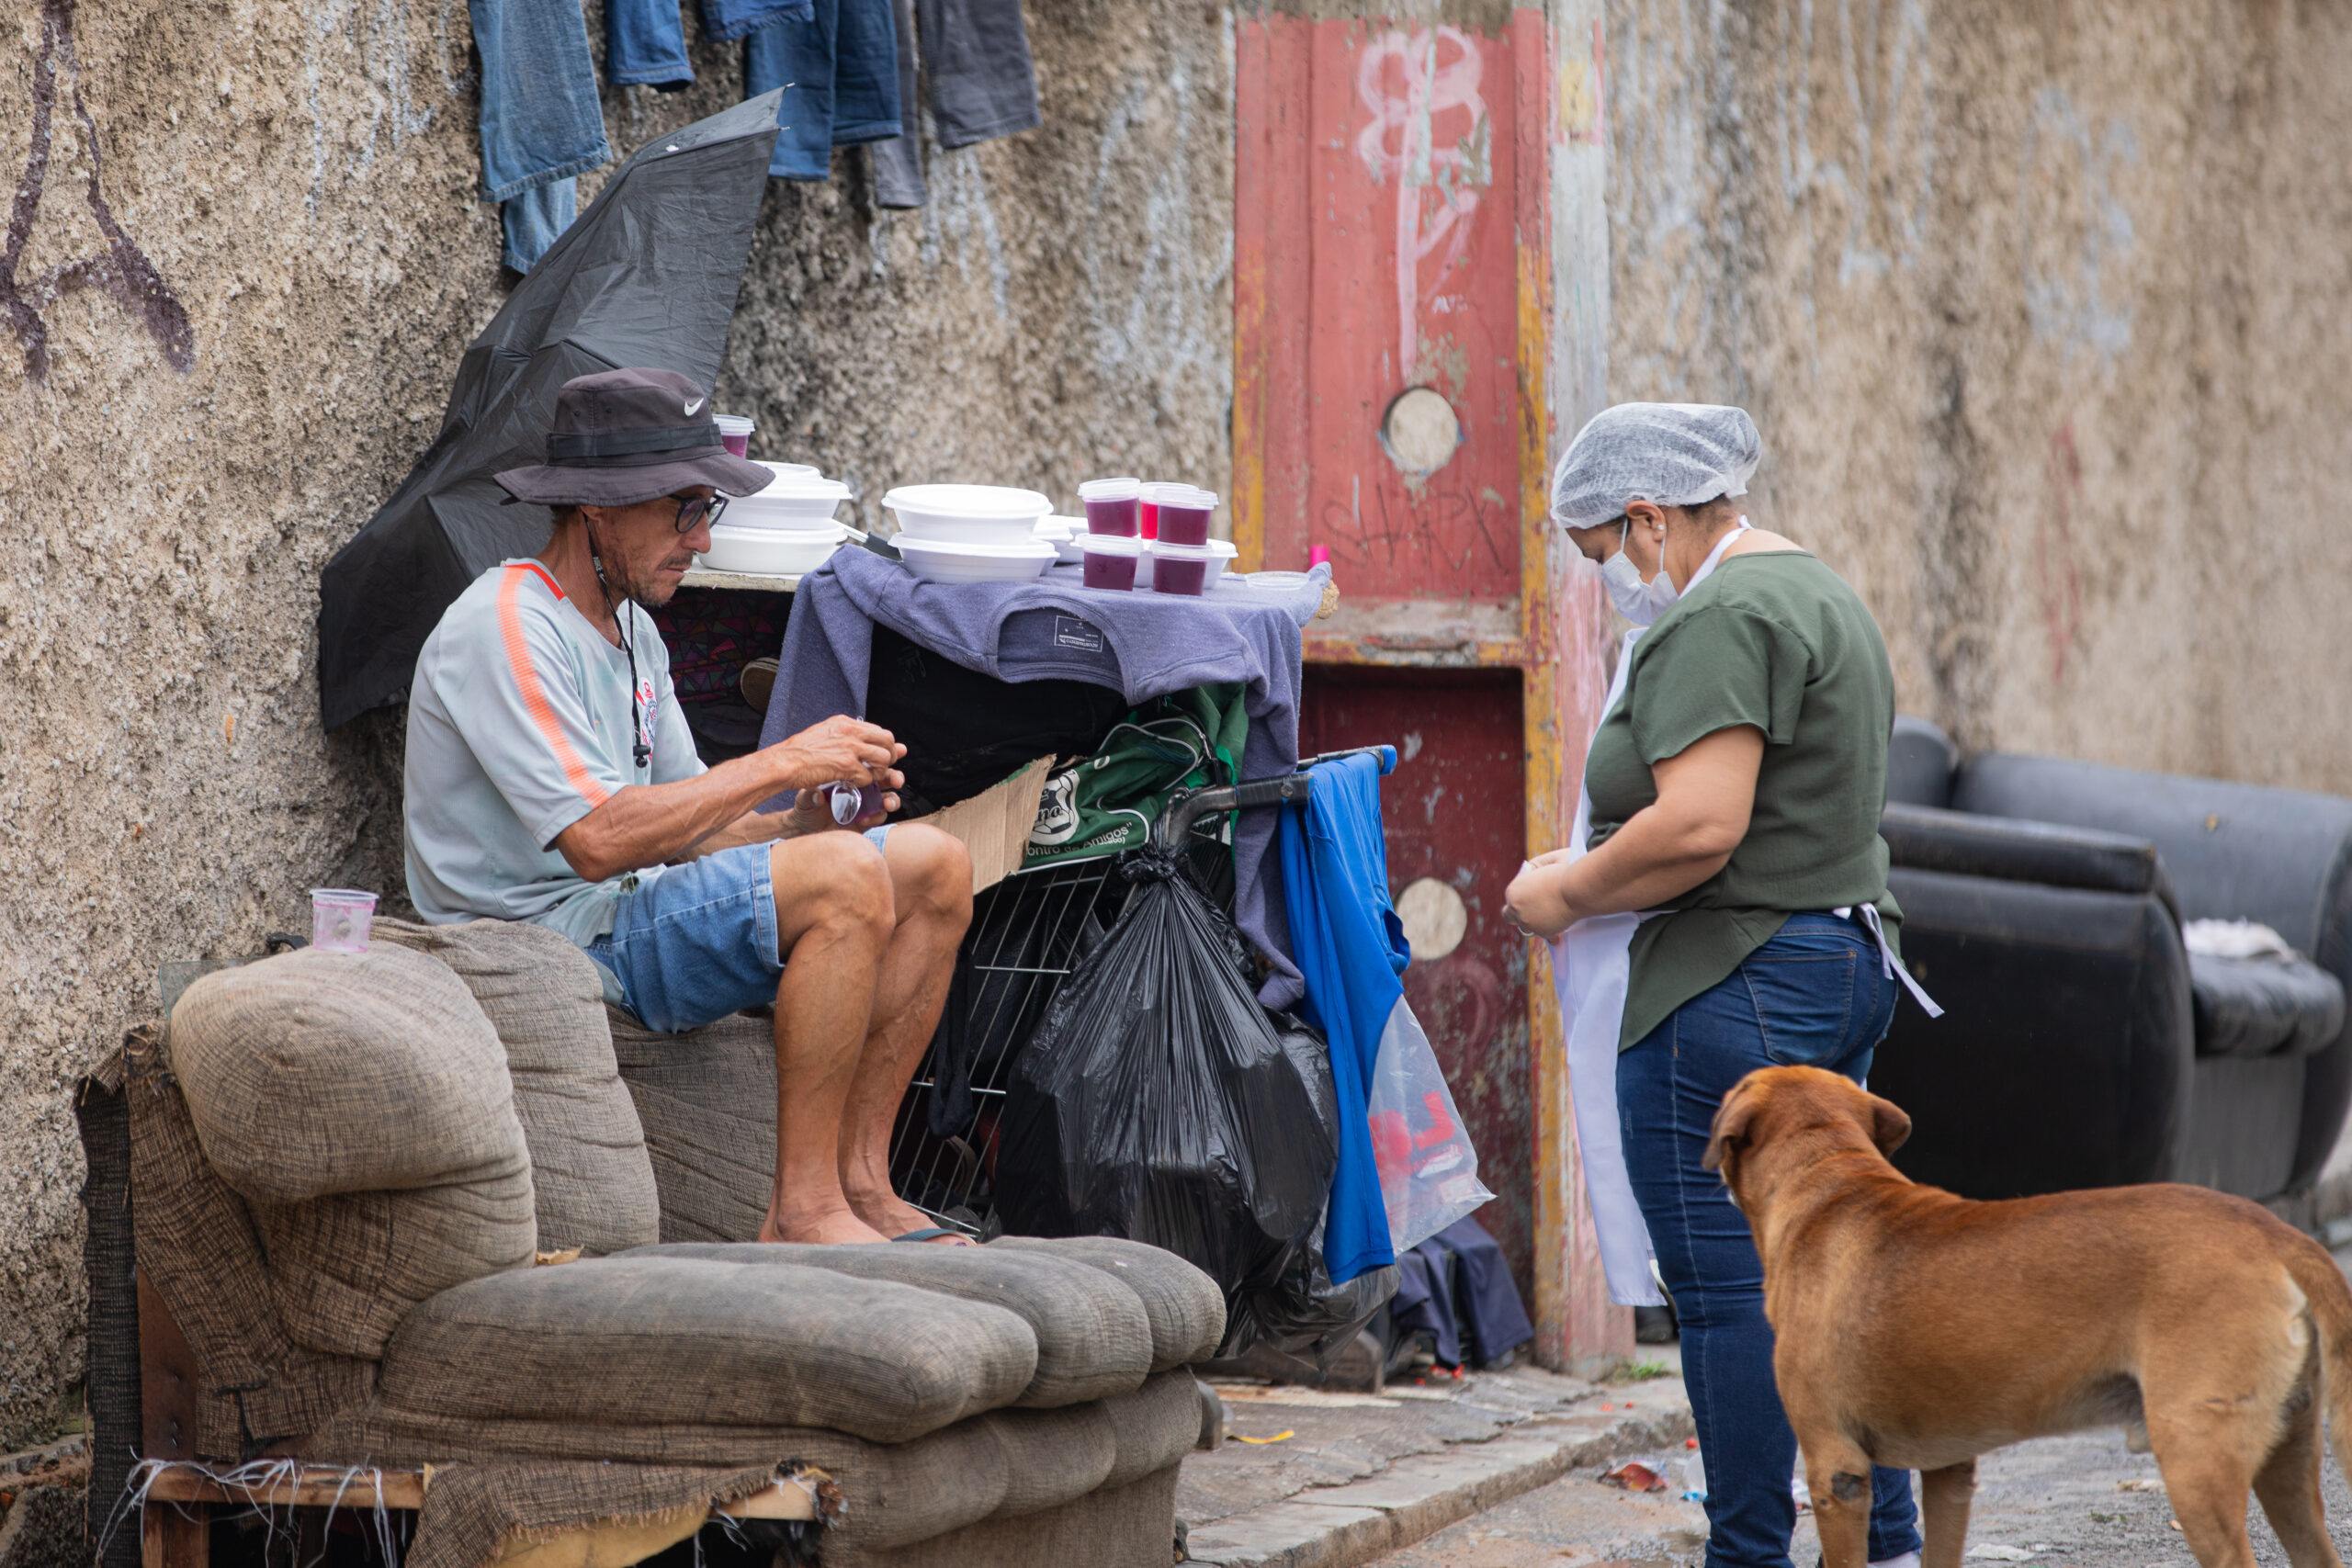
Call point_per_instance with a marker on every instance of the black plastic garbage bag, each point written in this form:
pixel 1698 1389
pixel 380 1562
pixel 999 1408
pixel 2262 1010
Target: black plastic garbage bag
pixel 1295 1307
pixel 1157 1101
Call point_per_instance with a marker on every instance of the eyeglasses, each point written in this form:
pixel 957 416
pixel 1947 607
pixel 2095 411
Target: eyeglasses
pixel 698 509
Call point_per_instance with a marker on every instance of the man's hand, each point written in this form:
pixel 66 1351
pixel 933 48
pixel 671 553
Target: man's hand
pixel 845 751
pixel 839 750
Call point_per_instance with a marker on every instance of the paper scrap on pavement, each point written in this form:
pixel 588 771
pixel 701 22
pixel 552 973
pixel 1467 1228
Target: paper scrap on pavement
pixel 2000 1554
pixel 1277 1438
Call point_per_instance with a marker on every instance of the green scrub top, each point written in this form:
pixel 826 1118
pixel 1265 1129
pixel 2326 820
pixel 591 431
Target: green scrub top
pixel 1777 640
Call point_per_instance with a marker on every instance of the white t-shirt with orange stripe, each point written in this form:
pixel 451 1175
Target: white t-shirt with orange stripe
pixel 519 726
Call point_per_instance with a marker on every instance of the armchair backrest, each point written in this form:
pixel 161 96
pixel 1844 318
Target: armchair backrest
pixel 2234 851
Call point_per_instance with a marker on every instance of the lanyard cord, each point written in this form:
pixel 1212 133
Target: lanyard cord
pixel 639 750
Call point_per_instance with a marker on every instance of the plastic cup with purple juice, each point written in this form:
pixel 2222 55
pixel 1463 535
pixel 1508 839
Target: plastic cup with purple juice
pixel 1111 561
pixel 1178 569
pixel 1111 505
pixel 1184 515
pixel 734 432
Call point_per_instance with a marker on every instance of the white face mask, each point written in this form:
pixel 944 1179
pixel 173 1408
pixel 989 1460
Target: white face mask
pixel 1639 602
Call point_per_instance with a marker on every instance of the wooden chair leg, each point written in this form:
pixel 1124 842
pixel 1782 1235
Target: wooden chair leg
pixel 175 1535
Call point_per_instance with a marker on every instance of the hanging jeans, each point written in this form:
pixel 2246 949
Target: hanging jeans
pixel 645 45
pixel 839 72
pixel 541 119
pixel 1813 995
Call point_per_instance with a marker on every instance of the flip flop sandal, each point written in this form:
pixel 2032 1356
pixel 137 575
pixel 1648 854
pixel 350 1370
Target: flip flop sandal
pixel 934 1232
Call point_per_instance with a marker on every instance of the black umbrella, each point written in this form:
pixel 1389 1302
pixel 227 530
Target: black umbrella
pixel 648 276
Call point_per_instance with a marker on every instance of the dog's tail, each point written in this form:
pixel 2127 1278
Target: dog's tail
pixel 2330 1300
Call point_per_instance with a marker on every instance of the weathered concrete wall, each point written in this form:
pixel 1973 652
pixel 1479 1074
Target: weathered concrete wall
pixel 2042 311
pixel 234 289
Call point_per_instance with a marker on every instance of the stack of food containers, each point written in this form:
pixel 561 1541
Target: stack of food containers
pixel 970 532
pixel 1113 544
pixel 782 531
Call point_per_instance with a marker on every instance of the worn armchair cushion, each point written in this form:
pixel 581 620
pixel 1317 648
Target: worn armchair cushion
pixel 1093 1335
pixel 645 1341
pixel 360 1104
pixel 592 1181
pixel 2263 1007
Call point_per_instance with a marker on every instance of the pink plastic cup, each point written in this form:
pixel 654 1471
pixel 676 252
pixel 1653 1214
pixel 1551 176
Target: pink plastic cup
pixel 1184 515
pixel 734 432
pixel 340 919
pixel 1111 505
pixel 1178 569
pixel 1111 561
pixel 1150 511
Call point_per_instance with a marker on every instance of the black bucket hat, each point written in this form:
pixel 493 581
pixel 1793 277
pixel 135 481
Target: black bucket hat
pixel 623 437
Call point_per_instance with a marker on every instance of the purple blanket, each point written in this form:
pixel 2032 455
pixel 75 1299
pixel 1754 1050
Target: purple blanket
pixel 1145 645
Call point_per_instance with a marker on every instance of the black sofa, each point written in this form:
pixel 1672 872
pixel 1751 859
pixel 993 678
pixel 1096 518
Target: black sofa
pixel 2082 1045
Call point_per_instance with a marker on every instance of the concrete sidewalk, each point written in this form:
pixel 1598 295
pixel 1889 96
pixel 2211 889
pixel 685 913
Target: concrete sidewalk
pixel 1358 1476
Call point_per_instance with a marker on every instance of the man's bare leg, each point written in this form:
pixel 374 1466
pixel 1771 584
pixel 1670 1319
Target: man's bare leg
pixel 834 921
pixel 931 884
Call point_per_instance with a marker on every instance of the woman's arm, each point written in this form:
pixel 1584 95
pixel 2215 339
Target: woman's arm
pixel 1704 795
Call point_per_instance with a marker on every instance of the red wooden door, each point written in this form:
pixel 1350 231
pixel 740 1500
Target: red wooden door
pixel 1390 322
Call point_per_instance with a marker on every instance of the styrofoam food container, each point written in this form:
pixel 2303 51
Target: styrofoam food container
pixel 1065 533
pixel 770 552
pixel 798 498
pixel 967 560
pixel 1280 581
pixel 983 513
pixel 1220 552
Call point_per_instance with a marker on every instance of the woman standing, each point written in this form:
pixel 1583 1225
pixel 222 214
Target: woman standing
pixel 1734 792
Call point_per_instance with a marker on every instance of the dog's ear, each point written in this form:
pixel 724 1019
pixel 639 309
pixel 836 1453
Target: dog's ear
pixel 1729 1134
pixel 1890 1127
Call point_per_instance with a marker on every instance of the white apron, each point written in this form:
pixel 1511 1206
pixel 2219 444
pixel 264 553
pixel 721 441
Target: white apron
pixel 1590 963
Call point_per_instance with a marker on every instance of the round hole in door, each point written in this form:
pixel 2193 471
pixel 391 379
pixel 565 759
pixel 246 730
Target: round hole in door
pixel 1420 431
pixel 1434 916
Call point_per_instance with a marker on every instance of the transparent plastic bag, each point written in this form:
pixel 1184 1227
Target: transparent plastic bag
pixel 1429 1172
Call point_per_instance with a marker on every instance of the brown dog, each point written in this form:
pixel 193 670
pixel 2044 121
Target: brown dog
pixel 1917 1330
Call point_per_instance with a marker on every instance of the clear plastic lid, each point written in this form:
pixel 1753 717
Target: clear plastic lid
pixel 1187 497
pixel 1113 544
pixel 969 501
pixel 1110 489
pixel 1163 549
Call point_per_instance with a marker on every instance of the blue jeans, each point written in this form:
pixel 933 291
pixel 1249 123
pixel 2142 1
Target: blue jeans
pixel 645 44
pixel 839 72
pixel 541 118
pixel 1813 995
pixel 699 940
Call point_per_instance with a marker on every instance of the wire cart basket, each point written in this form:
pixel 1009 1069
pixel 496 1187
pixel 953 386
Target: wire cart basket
pixel 1029 932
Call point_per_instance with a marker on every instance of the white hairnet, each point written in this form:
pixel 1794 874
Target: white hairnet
pixel 1668 453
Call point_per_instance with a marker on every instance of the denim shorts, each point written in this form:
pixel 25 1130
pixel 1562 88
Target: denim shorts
pixel 698 942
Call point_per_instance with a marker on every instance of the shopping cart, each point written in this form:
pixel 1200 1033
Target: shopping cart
pixel 1029 932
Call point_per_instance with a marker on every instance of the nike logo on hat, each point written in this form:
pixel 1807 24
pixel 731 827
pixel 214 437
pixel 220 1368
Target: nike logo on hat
pixel 692 406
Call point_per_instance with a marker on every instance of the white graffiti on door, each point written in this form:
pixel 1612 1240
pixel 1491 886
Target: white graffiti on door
pixel 1429 130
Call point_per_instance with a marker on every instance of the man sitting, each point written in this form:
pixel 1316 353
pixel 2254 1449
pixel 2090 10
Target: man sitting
pixel 551 778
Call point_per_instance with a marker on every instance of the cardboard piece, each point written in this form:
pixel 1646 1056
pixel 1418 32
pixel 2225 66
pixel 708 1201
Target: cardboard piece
pixel 994 823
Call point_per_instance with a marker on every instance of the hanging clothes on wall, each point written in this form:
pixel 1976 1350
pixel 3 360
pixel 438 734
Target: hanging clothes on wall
pixel 541 120
pixel 645 45
pixel 840 73
pixel 983 85
pixel 895 165
pixel 723 21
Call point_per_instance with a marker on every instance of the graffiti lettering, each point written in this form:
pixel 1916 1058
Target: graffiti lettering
pixel 1410 81
pixel 121 270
